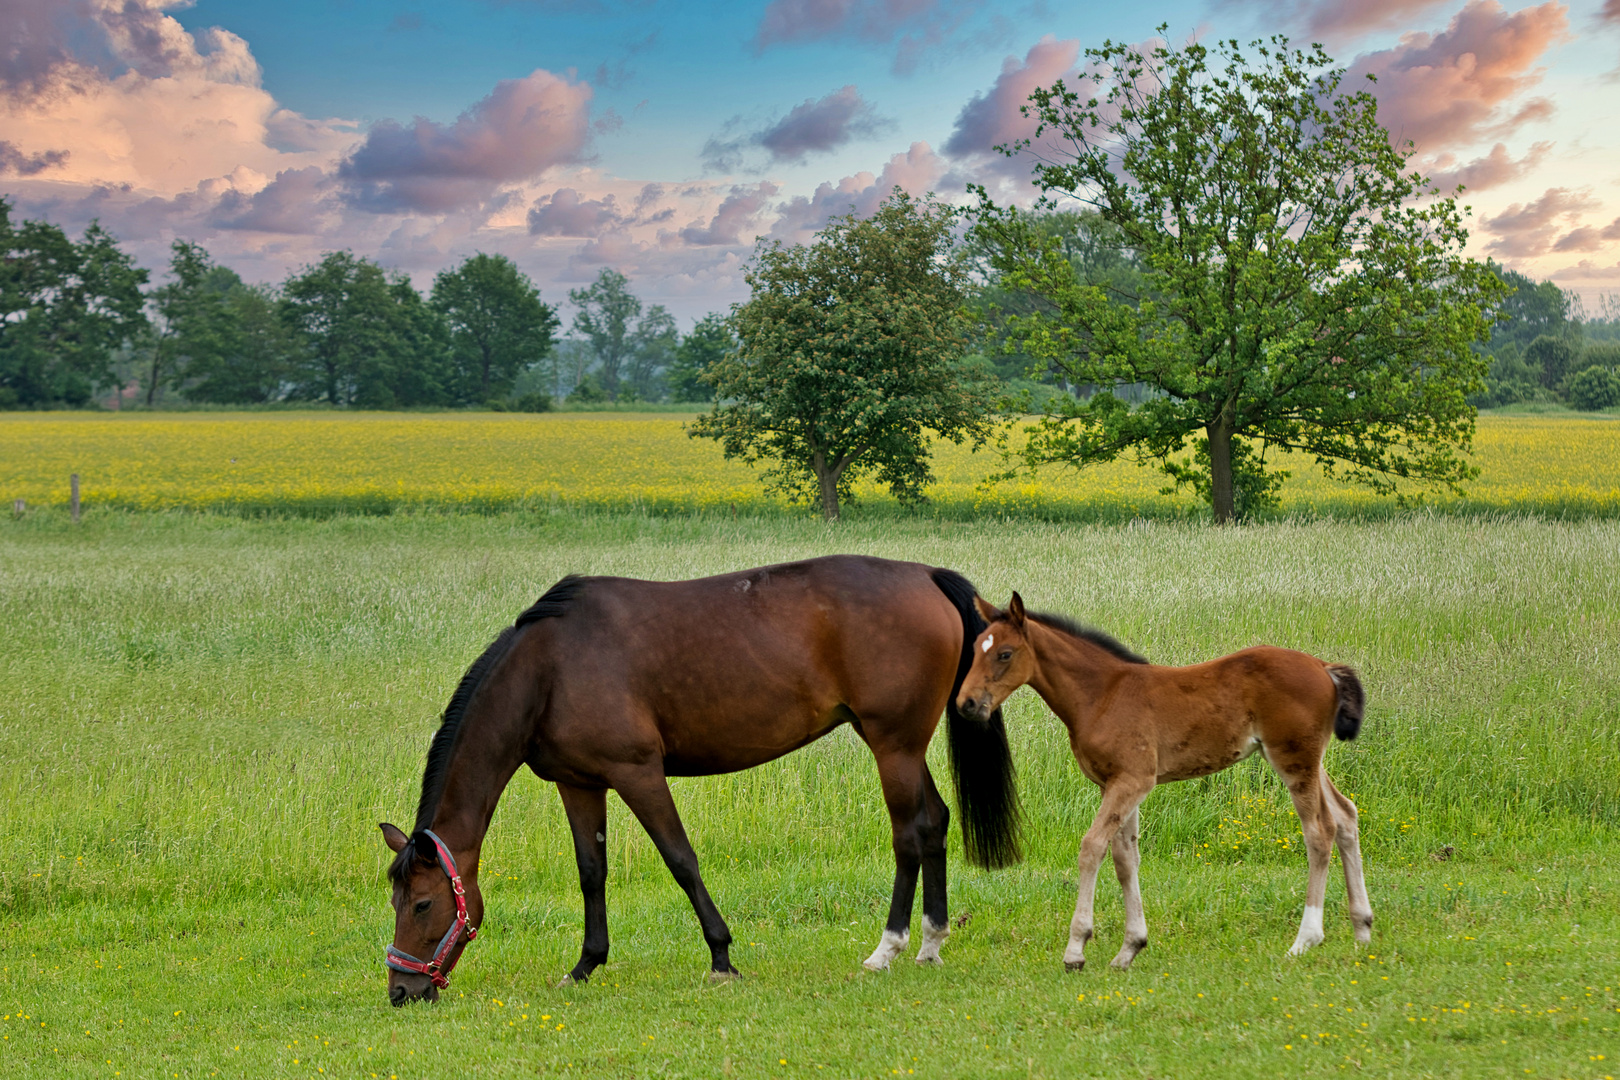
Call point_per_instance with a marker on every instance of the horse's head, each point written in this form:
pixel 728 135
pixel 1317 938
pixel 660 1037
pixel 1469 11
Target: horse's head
pixel 1002 660
pixel 435 915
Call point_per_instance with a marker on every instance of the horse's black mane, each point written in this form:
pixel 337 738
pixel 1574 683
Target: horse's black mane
pixel 553 604
pixel 1086 633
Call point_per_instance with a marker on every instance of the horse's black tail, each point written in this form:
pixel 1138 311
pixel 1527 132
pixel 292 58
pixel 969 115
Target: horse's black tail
pixel 981 763
pixel 1352 701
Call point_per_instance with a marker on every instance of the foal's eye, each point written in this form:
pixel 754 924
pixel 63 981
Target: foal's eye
pixel 422 906
pixel 1004 655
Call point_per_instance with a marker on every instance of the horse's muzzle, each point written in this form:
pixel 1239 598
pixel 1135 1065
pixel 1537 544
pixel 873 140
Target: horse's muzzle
pixel 399 993
pixel 975 708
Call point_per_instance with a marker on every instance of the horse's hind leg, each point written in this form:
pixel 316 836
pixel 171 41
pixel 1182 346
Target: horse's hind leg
pixel 1347 836
pixel 933 827
pixel 902 777
pixel 647 795
pixel 1119 802
pixel 1316 820
pixel 587 820
pixel 1127 861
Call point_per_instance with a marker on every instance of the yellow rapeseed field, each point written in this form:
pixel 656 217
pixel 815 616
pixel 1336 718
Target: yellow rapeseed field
pixel 315 462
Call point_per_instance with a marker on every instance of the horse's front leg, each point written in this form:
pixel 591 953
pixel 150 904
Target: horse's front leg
pixel 1119 801
pixel 1127 864
pixel 646 793
pixel 587 820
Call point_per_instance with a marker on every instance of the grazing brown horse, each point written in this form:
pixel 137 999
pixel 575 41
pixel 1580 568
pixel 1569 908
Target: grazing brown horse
pixel 1133 725
pixel 614 683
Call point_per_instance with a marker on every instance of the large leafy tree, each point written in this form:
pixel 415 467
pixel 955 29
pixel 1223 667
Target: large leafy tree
pixel 65 307
pixel 1303 290
pixel 851 352
pixel 499 328
pixel 254 362
pixel 191 320
pixel 364 338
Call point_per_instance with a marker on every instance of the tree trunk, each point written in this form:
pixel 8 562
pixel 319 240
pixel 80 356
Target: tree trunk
pixel 827 476
pixel 1220 468
pixel 157 367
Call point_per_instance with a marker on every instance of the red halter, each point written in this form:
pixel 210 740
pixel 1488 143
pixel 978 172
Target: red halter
pixel 438 968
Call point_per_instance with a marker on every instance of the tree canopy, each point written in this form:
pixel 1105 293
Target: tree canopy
pixel 498 326
pixel 850 352
pixel 1302 290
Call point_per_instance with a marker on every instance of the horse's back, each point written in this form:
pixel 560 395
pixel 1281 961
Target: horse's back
pixel 725 672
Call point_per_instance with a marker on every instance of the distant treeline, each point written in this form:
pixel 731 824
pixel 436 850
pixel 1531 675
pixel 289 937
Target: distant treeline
pixel 77 319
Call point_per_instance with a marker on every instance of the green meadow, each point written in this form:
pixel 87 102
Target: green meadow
pixel 205 717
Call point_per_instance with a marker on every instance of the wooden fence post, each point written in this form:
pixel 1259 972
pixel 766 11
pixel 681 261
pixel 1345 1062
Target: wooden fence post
pixel 18 507
pixel 74 501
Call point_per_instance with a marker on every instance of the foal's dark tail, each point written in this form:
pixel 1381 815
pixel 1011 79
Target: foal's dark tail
pixel 1352 701
pixel 981 763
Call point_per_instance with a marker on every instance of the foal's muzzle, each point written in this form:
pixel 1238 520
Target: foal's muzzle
pixel 974 708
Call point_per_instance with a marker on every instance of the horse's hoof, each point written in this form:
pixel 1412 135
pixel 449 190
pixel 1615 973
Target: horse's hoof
pixel 931 961
pixel 874 965
pixel 718 977
pixel 1074 965
pixel 569 980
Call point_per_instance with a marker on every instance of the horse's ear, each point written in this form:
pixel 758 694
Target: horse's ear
pixel 425 848
pixel 393 837
pixel 987 610
pixel 1015 611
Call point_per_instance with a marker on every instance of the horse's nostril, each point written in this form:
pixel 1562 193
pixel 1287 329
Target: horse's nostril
pixel 396 994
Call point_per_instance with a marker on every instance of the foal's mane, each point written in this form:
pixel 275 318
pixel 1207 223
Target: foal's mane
pixel 1086 633
pixel 554 603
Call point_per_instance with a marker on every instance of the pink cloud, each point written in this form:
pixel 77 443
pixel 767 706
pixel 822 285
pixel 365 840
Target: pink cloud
pixel 791 22
pixel 565 213
pixel 16 163
pixel 737 215
pixel 296 202
pixel 993 118
pixel 1524 230
pixel 1588 237
pixel 1587 270
pixel 1449 89
pixel 524 127
pixel 814 126
pixel 916 172
pixel 1492 170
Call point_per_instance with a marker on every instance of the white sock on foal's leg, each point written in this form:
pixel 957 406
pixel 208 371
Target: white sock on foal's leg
pixel 1310 931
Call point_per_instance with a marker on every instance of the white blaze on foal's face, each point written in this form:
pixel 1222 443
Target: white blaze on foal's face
pixel 988 642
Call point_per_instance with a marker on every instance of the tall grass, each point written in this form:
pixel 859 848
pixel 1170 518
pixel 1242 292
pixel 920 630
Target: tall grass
pixel 205 708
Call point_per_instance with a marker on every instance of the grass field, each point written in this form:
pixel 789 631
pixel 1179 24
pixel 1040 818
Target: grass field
pixel 329 462
pixel 205 717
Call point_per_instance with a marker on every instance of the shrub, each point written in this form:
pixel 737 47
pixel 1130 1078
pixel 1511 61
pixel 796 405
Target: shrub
pixel 533 401
pixel 1595 388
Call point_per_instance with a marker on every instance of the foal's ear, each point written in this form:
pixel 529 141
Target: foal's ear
pixel 1015 611
pixel 987 610
pixel 393 837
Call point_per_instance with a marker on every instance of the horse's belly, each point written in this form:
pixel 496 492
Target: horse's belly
pixel 1188 762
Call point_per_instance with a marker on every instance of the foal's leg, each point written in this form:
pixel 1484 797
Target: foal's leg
pixel 647 795
pixel 1316 821
pixel 1119 802
pixel 902 778
pixel 587 820
pixel 1348 838
pixel 1127 860
pixel 933 827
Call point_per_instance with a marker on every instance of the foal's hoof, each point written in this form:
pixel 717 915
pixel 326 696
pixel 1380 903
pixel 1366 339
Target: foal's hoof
pixel 717 977
pixel 569 980
pixel 875 965
pixel 1074 965
pixel 930 961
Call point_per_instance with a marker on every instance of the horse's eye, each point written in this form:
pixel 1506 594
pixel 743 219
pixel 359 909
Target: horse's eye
pixel 422 906
pixel 1006 655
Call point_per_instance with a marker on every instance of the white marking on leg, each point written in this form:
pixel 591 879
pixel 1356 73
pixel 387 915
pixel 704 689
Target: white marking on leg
pixel 989 641
pixel 933 938
pixel 600 839
pixel 1310 931
pixel 890 946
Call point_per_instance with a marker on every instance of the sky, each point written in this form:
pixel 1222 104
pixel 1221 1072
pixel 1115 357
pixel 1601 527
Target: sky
pixel 664 139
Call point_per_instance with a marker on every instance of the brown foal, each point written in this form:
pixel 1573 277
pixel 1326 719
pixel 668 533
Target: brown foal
pixel 1133 725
